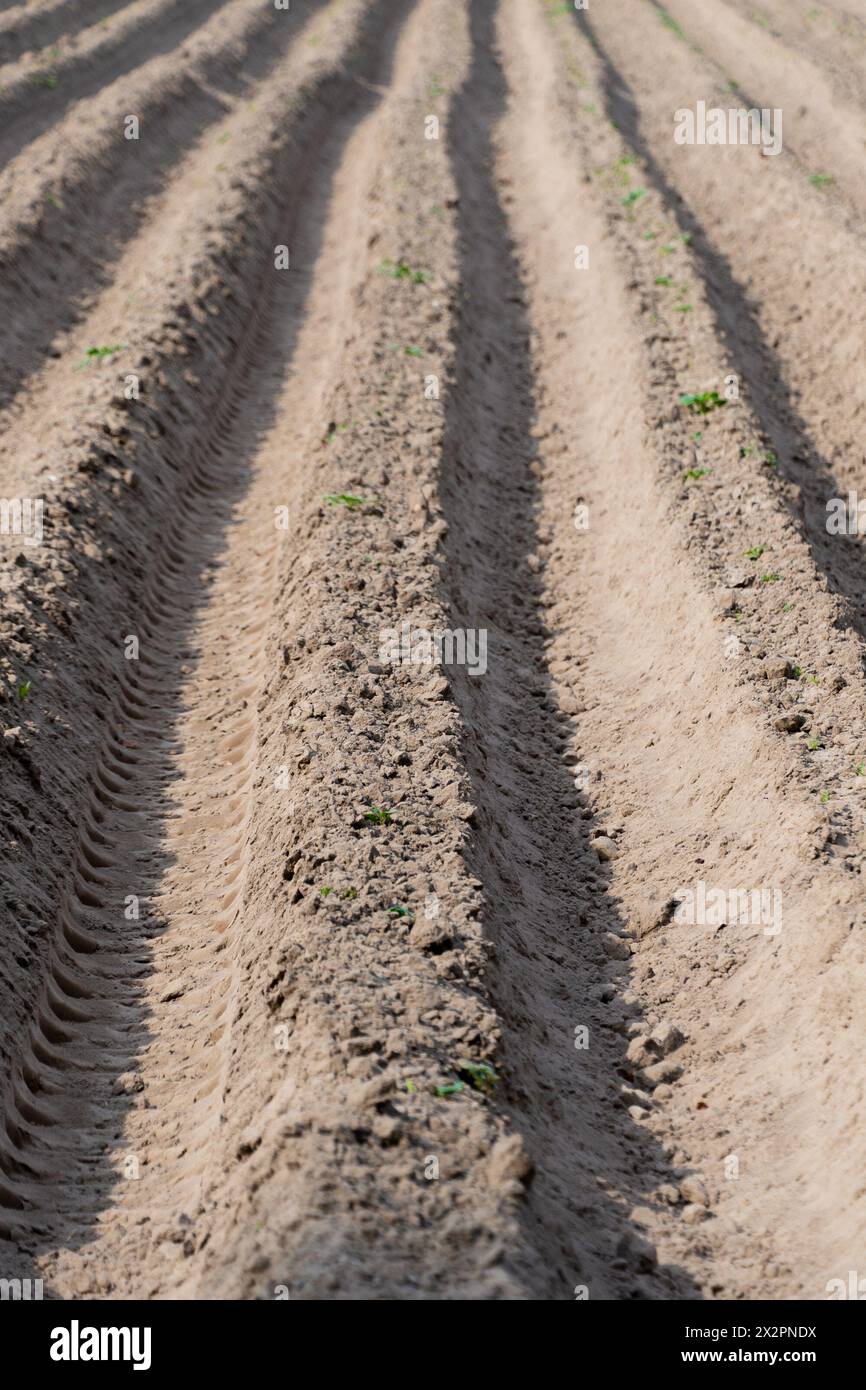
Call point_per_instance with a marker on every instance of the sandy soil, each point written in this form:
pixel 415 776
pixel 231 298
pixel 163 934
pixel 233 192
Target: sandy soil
pixel 339 977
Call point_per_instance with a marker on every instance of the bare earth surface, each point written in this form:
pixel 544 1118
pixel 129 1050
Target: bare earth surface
pixel 355 979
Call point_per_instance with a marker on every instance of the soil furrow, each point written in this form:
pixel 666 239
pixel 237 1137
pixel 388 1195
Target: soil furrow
pixel 34 99
pixel 532 851
pixel 94 194
pixel 181 739
pixel 433 752
pixel 22 30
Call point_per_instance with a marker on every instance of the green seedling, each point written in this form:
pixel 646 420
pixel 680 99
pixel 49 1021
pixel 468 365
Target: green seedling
pixel 786 607
pixel 666 250
pixel 325 892
pixel 821 180
pixel 349 894
pixel 334 430
pixel 813 680
pixel 815 743
pixel 399 911
pixel 697 436
pixel 414 352
pixel 378 815
pixel 650 236
pixel 770 578
pixel 663 280
pixel 410 1086
pixel 45 79
pixel 825 797
pixel 96 354
pixel 694 475
pixel 399 270
pixel 631 198
pixel 24 689
pixel 702 402
pixel 755 552
pixel 343 499
pixel 748 451
pixel 480 1075
pixel 436 87
pixel 452 1089
pixel 683 308
pixel 670 23
pixel 860 770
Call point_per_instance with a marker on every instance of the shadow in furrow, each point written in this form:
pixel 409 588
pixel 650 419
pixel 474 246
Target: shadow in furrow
pixel 546 899
pixel 68 1098
pixel 840 559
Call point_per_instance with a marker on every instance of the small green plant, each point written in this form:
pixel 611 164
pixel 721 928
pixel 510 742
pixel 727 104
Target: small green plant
pixel 786 607
pixel 663 280
pixel 754 552
pixel 410 1086
pixel 334 430
pixel 770 578
pixel 748 451
pixel 326 891
pixel 821 180
pixel 414 352
pixel 45 79
pixel 96 354
pixel 702 402
pixel 860 770
pixel 343 499
pixel 825 797
pixel 24 689
pixel 694 475
pixel 378 815
pixel 480 1075
pixel 631 198
pixel 399 270
pixel 349 894
pixel 399 911
pixel 670 23
pixel 453 1088
pixel 683 309
pixel 667 250
pixel 815 743
pixel 770 459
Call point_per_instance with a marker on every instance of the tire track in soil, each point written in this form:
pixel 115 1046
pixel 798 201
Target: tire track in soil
pixel 31 104
pixel 116 1062
pixel 532 860
pixel 106 197
pixel 753 357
